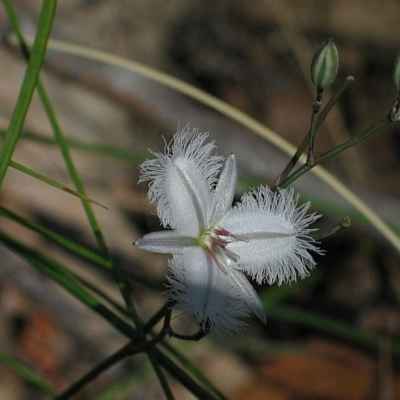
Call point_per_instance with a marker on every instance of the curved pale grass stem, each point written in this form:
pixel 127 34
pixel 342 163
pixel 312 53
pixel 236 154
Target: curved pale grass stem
pixel 234 114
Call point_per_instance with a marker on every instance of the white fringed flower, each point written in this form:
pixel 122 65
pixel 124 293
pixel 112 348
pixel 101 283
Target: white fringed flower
pixel 214 244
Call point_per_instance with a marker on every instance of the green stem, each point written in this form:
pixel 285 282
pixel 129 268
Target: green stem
pixel 186 380
pixel 157 317
pixel 335 151
pixel 345 223
pixel 30 80
pixel 161 377
pixel 94 373
pixel 352 142
pixel 193 369
pixel 316 108
pixel 321 118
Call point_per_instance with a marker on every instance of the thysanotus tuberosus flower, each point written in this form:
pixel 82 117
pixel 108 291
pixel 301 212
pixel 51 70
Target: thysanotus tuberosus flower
pixel 215 245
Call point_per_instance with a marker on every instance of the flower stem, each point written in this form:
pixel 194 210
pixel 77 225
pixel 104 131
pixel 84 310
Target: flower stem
pixel 352 142
pixel 335 151
pixel 345 223
pixel 94 373
pixel 160 374
pixel 167 330
pixel 316 108
pixel 321 117
pixel 158 316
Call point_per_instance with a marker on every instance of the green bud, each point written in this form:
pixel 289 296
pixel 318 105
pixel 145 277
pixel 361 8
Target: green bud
pixel 325 65
pixel 396 71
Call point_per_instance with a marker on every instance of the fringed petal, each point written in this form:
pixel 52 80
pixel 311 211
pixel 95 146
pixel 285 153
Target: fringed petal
pixel 278 247
pixel 201 289
pixel 181 180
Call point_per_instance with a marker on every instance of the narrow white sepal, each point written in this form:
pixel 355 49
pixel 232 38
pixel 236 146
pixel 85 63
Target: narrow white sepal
pixel 224 191
pixel 249 295
pixel 165 242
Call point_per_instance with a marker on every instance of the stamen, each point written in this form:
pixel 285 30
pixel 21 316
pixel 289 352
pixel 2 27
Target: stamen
pixel 217 241
pixel 214 256
pixel 224 232
pixel 233 256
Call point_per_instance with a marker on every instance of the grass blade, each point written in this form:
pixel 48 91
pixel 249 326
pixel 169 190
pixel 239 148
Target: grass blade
pixel 52 182
pixel 26 374
pixel 60 274
pixel 30 80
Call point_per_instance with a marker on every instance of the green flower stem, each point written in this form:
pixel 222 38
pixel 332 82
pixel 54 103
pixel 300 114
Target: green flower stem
pixel 29 83
pixel 345 223
pixel 161 377
pixel 322 115
pixel 352 142
pixel 156 357
pixel 335 98
pixel 157 317
pixel 316 108
pixel 194 369
pixel 186 380
pixel 335 151
pixel 94 373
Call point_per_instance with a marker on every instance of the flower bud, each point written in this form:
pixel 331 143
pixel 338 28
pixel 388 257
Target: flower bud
pixel 396 71
pixel 325 65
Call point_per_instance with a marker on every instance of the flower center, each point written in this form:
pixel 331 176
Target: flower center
pixel 215 242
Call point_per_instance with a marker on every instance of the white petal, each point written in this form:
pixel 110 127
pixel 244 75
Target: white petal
pixel 181 180
pixel 225 190
pixel 164 242
pixel 189 197
pixel 278 247
pixel 202 290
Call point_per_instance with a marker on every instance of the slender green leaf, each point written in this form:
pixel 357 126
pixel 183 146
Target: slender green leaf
pixel 109 150
pixel 199 391
pixel 330 325
pixel 29 82
pixel 74 248
pixel 93 374
pixel 60 274
pixel 73 172
pixel 52 182
pixel 196 371
pixel 160 374
pixel 26 374
pixel 60 240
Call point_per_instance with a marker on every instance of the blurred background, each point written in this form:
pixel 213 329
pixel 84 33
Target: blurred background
pixel 255 55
